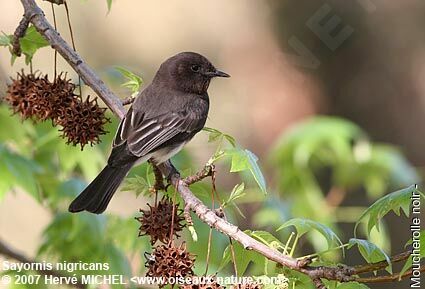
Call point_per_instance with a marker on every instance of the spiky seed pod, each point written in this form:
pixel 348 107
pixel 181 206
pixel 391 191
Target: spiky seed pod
pixel 61 95
pixel 170 261
pixel 34 96
pixel 82 121
pixel 50 97
pixel 18 94
pixel 156 221
pixel 247 286
pixel 40 94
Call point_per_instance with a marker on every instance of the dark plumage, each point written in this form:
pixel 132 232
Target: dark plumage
pixel 162 119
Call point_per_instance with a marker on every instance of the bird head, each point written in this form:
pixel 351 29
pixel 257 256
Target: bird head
pixel 189 72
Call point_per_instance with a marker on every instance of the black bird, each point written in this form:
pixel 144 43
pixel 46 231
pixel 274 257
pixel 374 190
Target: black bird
pixel 162 119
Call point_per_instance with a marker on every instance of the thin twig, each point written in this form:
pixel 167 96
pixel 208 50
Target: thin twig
pixel 389 278
pixel 19 33
pixel 172 217
pixel 319 284
pixel 222 214
pixel 159 179
pixel 359 269
pixel 68 18
pixel 204 173
pixel 232 251
pixel 128 100
pixel 56 53
pixel 207 262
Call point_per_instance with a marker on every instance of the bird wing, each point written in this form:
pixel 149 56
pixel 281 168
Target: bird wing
pixel 144 135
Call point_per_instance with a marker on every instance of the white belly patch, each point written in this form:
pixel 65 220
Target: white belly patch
pixel 166 153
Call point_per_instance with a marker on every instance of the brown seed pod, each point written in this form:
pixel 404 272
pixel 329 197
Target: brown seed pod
pixel 51 97
pixel 41 95
pixel 61 95
pixel 19 94
pixel 34 96
pixel 156 221
pixel 82 121
pixel 170 261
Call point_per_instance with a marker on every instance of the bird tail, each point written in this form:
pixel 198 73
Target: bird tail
pixel 96 197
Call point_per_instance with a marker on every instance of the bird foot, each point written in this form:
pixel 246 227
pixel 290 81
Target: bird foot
pixel 167 169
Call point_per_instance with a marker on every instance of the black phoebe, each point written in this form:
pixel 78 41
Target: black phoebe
pixel 162 119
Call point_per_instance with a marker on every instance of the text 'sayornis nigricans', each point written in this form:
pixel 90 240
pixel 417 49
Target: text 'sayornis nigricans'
pixel 162 119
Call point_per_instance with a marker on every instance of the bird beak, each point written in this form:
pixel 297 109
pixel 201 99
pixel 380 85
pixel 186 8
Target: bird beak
pixel 217 73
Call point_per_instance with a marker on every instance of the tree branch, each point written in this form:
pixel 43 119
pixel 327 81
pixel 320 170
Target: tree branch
pixel 7 251
pixel 35 15
pixel 207 171
pixel 209 217
pixel 128 100
pixel 19 33
pixel 359 269
pixel 389 278
pixel 340 273
pixel 319 284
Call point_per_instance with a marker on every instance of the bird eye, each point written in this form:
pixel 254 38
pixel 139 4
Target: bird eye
pixel 195 68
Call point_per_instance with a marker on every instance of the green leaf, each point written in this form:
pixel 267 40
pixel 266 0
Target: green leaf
pixel 31 42
pixel 70 189
pixel 256 171
pixel 215 135
pixel 138 185
pixel 7 181
pixel 304 225
pixel 66 233
pixel 370 252
pixel 19 170
pixel 6 40
pixel 17 131
pixel 243 159
pixel 240 160
pixel 325 137
pixel 396 201
pixel 237 192
pixel 352 285
pixel 120 230
pixel 243 257
pixel 267 238
pixel 134 82
pixel 118 262
pixel 109 3
pixel 90 161
pixel 409 261
pixel 298 280
pixel 193 233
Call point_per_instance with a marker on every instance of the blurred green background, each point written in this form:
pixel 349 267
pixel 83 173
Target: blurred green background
pixel 331 137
